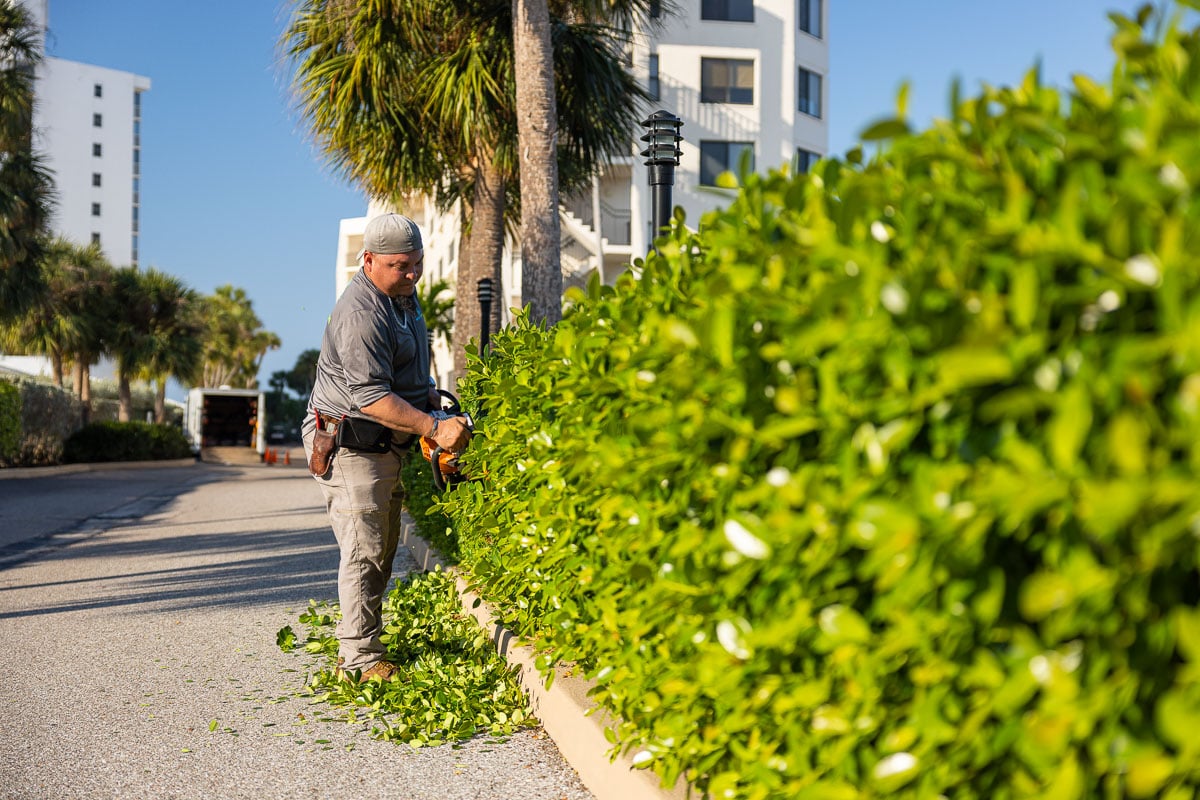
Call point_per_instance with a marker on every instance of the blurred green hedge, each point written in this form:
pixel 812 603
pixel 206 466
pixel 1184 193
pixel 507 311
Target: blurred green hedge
pixel 884 483
pixel 421 498
pixel 126 441
pixel 46 416
pixel 10 420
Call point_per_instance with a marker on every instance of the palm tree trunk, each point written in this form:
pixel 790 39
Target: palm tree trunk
pixel 77 376
pixel 85 388
pixel 124 396
pixel 160 401
pixel 537 135
pixel 56 366
pixel 460 325
pixel 485 249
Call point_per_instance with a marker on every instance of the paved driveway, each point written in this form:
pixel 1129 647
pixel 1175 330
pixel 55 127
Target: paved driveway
pixel 124 645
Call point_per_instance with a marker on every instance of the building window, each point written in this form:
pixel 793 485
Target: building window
pixel 810 93
pixel 95 209
pixel 655 9
pixel 727 80
pixel 810 17
pixel 96 148
pixel 97 120
pixel 727 10
pixel 96 239
pixel 805 160
pixel 718 157
pixel 95 179
pixel 652 84
pixel 97 90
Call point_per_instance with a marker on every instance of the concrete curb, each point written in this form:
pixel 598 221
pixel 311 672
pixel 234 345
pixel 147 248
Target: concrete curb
pixel 68 469
pixel 563 708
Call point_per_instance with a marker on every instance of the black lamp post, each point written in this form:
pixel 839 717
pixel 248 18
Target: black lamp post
pixel 662 157
pixel 485 312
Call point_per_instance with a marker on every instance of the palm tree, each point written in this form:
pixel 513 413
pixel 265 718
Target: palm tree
pixel 421 95
pixel 25 183
pixel 408 95
pixel 234 342
pixel 66 321
pixel 175 331
pixel 91 303
pixel 437 305
pixel 128 341
pixel 46 324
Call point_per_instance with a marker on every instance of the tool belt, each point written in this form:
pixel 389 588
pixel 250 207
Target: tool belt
pixel 364 435
pixel 352 433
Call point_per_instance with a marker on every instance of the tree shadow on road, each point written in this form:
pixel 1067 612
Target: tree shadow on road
pixel 238 569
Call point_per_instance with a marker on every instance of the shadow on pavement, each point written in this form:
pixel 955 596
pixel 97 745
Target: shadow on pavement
pixel 268 557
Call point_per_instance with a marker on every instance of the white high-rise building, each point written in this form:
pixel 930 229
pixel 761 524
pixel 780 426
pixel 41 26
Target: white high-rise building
pixel 87 127
pixel 744 76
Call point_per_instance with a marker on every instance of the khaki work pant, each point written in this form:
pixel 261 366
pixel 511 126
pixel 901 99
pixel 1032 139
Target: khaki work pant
pixel 364 499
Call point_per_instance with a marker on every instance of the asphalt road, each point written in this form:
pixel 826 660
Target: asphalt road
pixel 56 500
pixel 138 607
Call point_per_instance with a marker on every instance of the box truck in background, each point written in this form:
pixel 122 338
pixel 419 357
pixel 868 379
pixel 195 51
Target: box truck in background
pixel 228 419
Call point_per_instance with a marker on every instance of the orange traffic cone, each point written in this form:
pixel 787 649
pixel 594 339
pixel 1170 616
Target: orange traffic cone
pixel 270 455
pixel 287 458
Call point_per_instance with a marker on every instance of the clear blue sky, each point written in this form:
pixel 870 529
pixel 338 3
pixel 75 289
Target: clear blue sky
pixel 234 193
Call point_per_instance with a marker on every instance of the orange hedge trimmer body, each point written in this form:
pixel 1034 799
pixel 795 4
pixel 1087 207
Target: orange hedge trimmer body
pixel 446 469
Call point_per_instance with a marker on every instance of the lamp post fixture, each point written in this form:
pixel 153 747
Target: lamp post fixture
pixel 662 157
pixel 485 312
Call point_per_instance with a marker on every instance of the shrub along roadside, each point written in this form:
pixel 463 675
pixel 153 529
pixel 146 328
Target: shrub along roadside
pixel 46 415
pixel 885 482
pixel 126 441
pixel 10 421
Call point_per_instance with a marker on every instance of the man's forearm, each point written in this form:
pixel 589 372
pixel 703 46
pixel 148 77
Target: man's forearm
pixel 396 413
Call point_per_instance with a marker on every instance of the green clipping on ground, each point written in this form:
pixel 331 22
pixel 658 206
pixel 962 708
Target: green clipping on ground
pixel 451 684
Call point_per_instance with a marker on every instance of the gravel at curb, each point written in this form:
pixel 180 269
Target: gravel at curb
pixel 561 708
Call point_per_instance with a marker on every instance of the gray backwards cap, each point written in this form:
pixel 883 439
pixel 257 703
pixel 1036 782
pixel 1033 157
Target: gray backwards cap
pixel 391 234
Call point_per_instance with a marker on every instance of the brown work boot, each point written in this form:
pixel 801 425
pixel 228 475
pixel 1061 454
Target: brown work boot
pixel 382 670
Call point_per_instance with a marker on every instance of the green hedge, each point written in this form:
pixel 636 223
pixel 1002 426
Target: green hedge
pixel 885 482
pixel 10 421
pixel 126 441
pixel 48 415
pixel 421 498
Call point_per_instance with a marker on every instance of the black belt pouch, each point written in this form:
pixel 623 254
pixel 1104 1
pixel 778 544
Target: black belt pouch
pixel 364 435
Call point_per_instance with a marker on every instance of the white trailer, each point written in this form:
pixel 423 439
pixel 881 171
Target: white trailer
pixel 228 418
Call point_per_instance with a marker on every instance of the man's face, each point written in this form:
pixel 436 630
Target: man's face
pixel 395 275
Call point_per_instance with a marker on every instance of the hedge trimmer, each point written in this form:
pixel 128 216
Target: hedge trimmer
pixel 445 466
